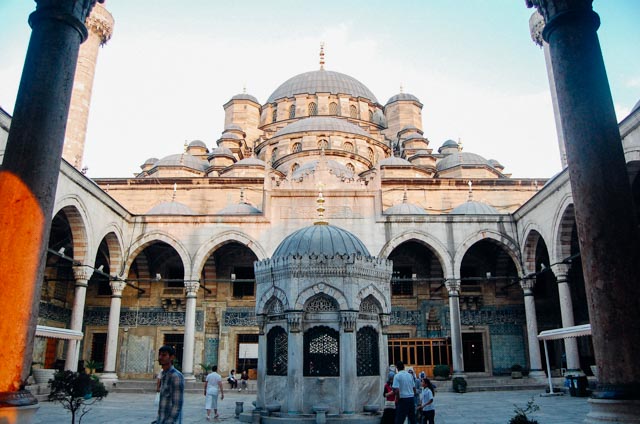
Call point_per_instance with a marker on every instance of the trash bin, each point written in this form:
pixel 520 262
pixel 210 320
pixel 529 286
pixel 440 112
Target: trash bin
pixel 578 385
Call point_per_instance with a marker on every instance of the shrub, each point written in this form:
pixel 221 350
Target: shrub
pixel 521 413
pixel 459 385
pixel 441 371
pixel 76 392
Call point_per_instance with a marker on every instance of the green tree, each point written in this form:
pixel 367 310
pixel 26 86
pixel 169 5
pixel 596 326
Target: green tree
pixel 76 392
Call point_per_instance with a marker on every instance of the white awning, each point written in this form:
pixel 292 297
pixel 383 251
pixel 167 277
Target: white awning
pixel 566 332
pixel 58 333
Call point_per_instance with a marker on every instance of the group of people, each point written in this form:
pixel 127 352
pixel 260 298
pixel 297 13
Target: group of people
pixel 170 389
pixel 408 397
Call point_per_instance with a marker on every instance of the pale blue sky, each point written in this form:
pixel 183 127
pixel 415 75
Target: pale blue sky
pixel 170 67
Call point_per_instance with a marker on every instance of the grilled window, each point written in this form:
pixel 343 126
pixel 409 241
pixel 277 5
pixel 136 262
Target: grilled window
pixel 368 354
pixel 277 351
pixel 313 109
pixel 353 111
pixel 292 111
pixel 333 108
pixel 321 352
pixel 274 117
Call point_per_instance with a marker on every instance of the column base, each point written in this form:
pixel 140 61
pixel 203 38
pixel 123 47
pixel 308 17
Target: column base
pixel 109 379
pixel 538 375
pixel 189 377
pixel 613 411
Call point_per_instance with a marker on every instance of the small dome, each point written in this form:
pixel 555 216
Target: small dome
pixel 320 123
pixel 230 135
pixel 460 158
pixel 170 208
pixel 182 159
pixel 320 240
pixel 150 161
pixel 245 96
pixel 474 208
pixel 322 81
pixel 197 143
pixel 450 143
pixel 335 167
pixel 241 208
pixel 403 97
pixel 221 151
pixel 250 161
pixel 405 209
pixel 232 127
pixel 394 161
pixel 495 164
pixel 413 136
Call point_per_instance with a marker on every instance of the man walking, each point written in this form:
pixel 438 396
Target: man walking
pixel 405 389
pixel 171 388
pixel 213 386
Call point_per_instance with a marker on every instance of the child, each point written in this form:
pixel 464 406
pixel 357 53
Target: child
pixel 426 402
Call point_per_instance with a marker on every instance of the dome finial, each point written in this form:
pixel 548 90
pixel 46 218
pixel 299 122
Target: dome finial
pixel 175 188
pixel 320 208
pixel 242 195
pixel 401 88
pixel 244 88
pixel 459 144
pixel 404 196
pixel 470 191
pixel 322 55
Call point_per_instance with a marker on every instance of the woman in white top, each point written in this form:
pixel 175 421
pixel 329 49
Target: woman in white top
pixel 426 402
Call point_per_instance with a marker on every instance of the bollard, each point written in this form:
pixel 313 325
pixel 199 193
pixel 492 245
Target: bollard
pixel 239 408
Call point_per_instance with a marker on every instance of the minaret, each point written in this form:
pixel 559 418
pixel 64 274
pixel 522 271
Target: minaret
pixel 100 27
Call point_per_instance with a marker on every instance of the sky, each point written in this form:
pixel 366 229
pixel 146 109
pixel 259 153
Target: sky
pixel 170 66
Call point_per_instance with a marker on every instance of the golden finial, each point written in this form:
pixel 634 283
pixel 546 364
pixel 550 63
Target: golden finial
pixel 322 55
pixel 320 208
pixel 459 144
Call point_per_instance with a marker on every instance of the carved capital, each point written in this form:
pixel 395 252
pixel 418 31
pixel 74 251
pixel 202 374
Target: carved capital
pixel 82 274
pixel 261 320
pixel 65 12
pixel 536 26
pixel 348 320
pixel 100 22
pixel 561 271
pixel 117 287
pixel 385 321
pixel 453 287
pixel 556 12
pixel 527 285
pixel 192 288
pixel 294 321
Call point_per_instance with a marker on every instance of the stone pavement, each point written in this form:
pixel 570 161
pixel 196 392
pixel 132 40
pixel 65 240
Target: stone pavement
pixel 451 408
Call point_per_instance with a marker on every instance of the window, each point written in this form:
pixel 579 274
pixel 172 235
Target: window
pixel 297 147
pixel 243 284
pixel 372 155
pixel 370 116
pixel 321 352
pixel 294 167
pixel 353 111
pixel 351 168
pixel 323 144
pixel 274 154
pixel 274 117
pixel 277 351
pixel 401 281
pixel 292 111
pixel 348 146
pixel 313 109
pixel 333 108
pixel 247 349
pixel 367 352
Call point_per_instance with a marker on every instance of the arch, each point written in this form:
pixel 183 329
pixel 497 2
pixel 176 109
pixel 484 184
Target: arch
pixel 277 351
pixel 507 243
pixel 321 302
pixel 76 213
pixel 208 247
pixel 272 293
pixel 428 240
pixel 148 238
pixel 353 112
pixel 374 292
pixel 322 288
pixel 113 238
pixel 313 109
pixel 529 246
pixel 296 147
pixel 333 109
pixel 562 229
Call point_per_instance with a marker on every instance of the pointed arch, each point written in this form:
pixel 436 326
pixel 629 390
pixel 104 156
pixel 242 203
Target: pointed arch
pixel 563 223
pixel 322 288
pixel 76 213
pixel 272 293
pixel 433 244
pixel 372 291
pixel 154 236
pixel 211 245
pixel 507 243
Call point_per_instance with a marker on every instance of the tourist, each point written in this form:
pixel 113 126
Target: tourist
pixel 232 379
pixel 213 386
pixel 389 414
pixel 244 379
pixel 404 388
pixel 171 388
pixel 426 402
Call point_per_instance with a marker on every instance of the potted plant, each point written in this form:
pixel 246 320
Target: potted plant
pixel 516 371
pixel 441 372
pixel 92 366
pixel 459 384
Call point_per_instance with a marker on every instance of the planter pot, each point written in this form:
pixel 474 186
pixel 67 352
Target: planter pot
pixel 516 374
pixel 43 375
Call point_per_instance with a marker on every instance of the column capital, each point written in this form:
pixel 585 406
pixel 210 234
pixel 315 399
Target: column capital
pixel 558 11
pixel 453 287
pixel 117 287
pixel 261 320
pixel 100 22
pixel 348 320
pixel 70 12
pixel 82 273
pixel 561 271
pixel 294 321
pixel 527 285
pixel 385 321
pixel 191 288
pixel 536 26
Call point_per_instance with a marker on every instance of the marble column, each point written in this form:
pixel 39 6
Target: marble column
pixel 561 271
pixel 348 370
pixel 27 193
pixel 110 375
pixel 535 361
pixel 605 214
pixel 81 275
pixel 262 361
pixel 189 329
pixel 295 383
pixel 453 287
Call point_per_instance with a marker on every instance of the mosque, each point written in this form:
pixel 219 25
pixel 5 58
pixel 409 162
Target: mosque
pixel 437 255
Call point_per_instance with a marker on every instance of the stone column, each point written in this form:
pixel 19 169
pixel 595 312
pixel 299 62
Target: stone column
pixel 100 26
pixel 81 275
pixel 453 287
pixel 535 361
pixel 262 361
pixel 189 329
pixel 348 370
pixel 295 383
pixel 26 192
pixel 109 375
pixel 605 218
pixel 561 272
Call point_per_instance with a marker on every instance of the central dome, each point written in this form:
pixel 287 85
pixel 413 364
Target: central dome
pixel 320 240
pixel 322 81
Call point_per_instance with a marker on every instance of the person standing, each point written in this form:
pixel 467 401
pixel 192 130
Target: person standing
pixel 426 402
pixel 171 388
pixel 213 386
pixel 389 415
pixel 404 388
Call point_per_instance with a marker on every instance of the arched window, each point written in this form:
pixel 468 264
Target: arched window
pixel 274 117
pixel 297 147
pixel 367 352
pixel 313 109
pixel 372 155
pixel 274 154
pixel 277 351
pixel 353 111
pixel 333 108
pixel 348 146
pixel 274 306
pixel 292 111
pixel 321 352
pixel 321 303
pixel 323 144
pixel 370 116
pixel 351 168
pixel 294 167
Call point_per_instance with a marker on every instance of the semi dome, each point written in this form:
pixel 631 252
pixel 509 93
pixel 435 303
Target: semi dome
pixel 322 81
pixel 405 209
pixel 320 240
pixel 335 167
pixel 150 161
pixel 322 123
pixel 460 158
pixel 170 208
pixel 182 159
pixel 472 207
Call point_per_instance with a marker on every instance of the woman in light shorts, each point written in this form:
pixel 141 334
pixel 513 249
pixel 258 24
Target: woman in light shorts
pixel 213 386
